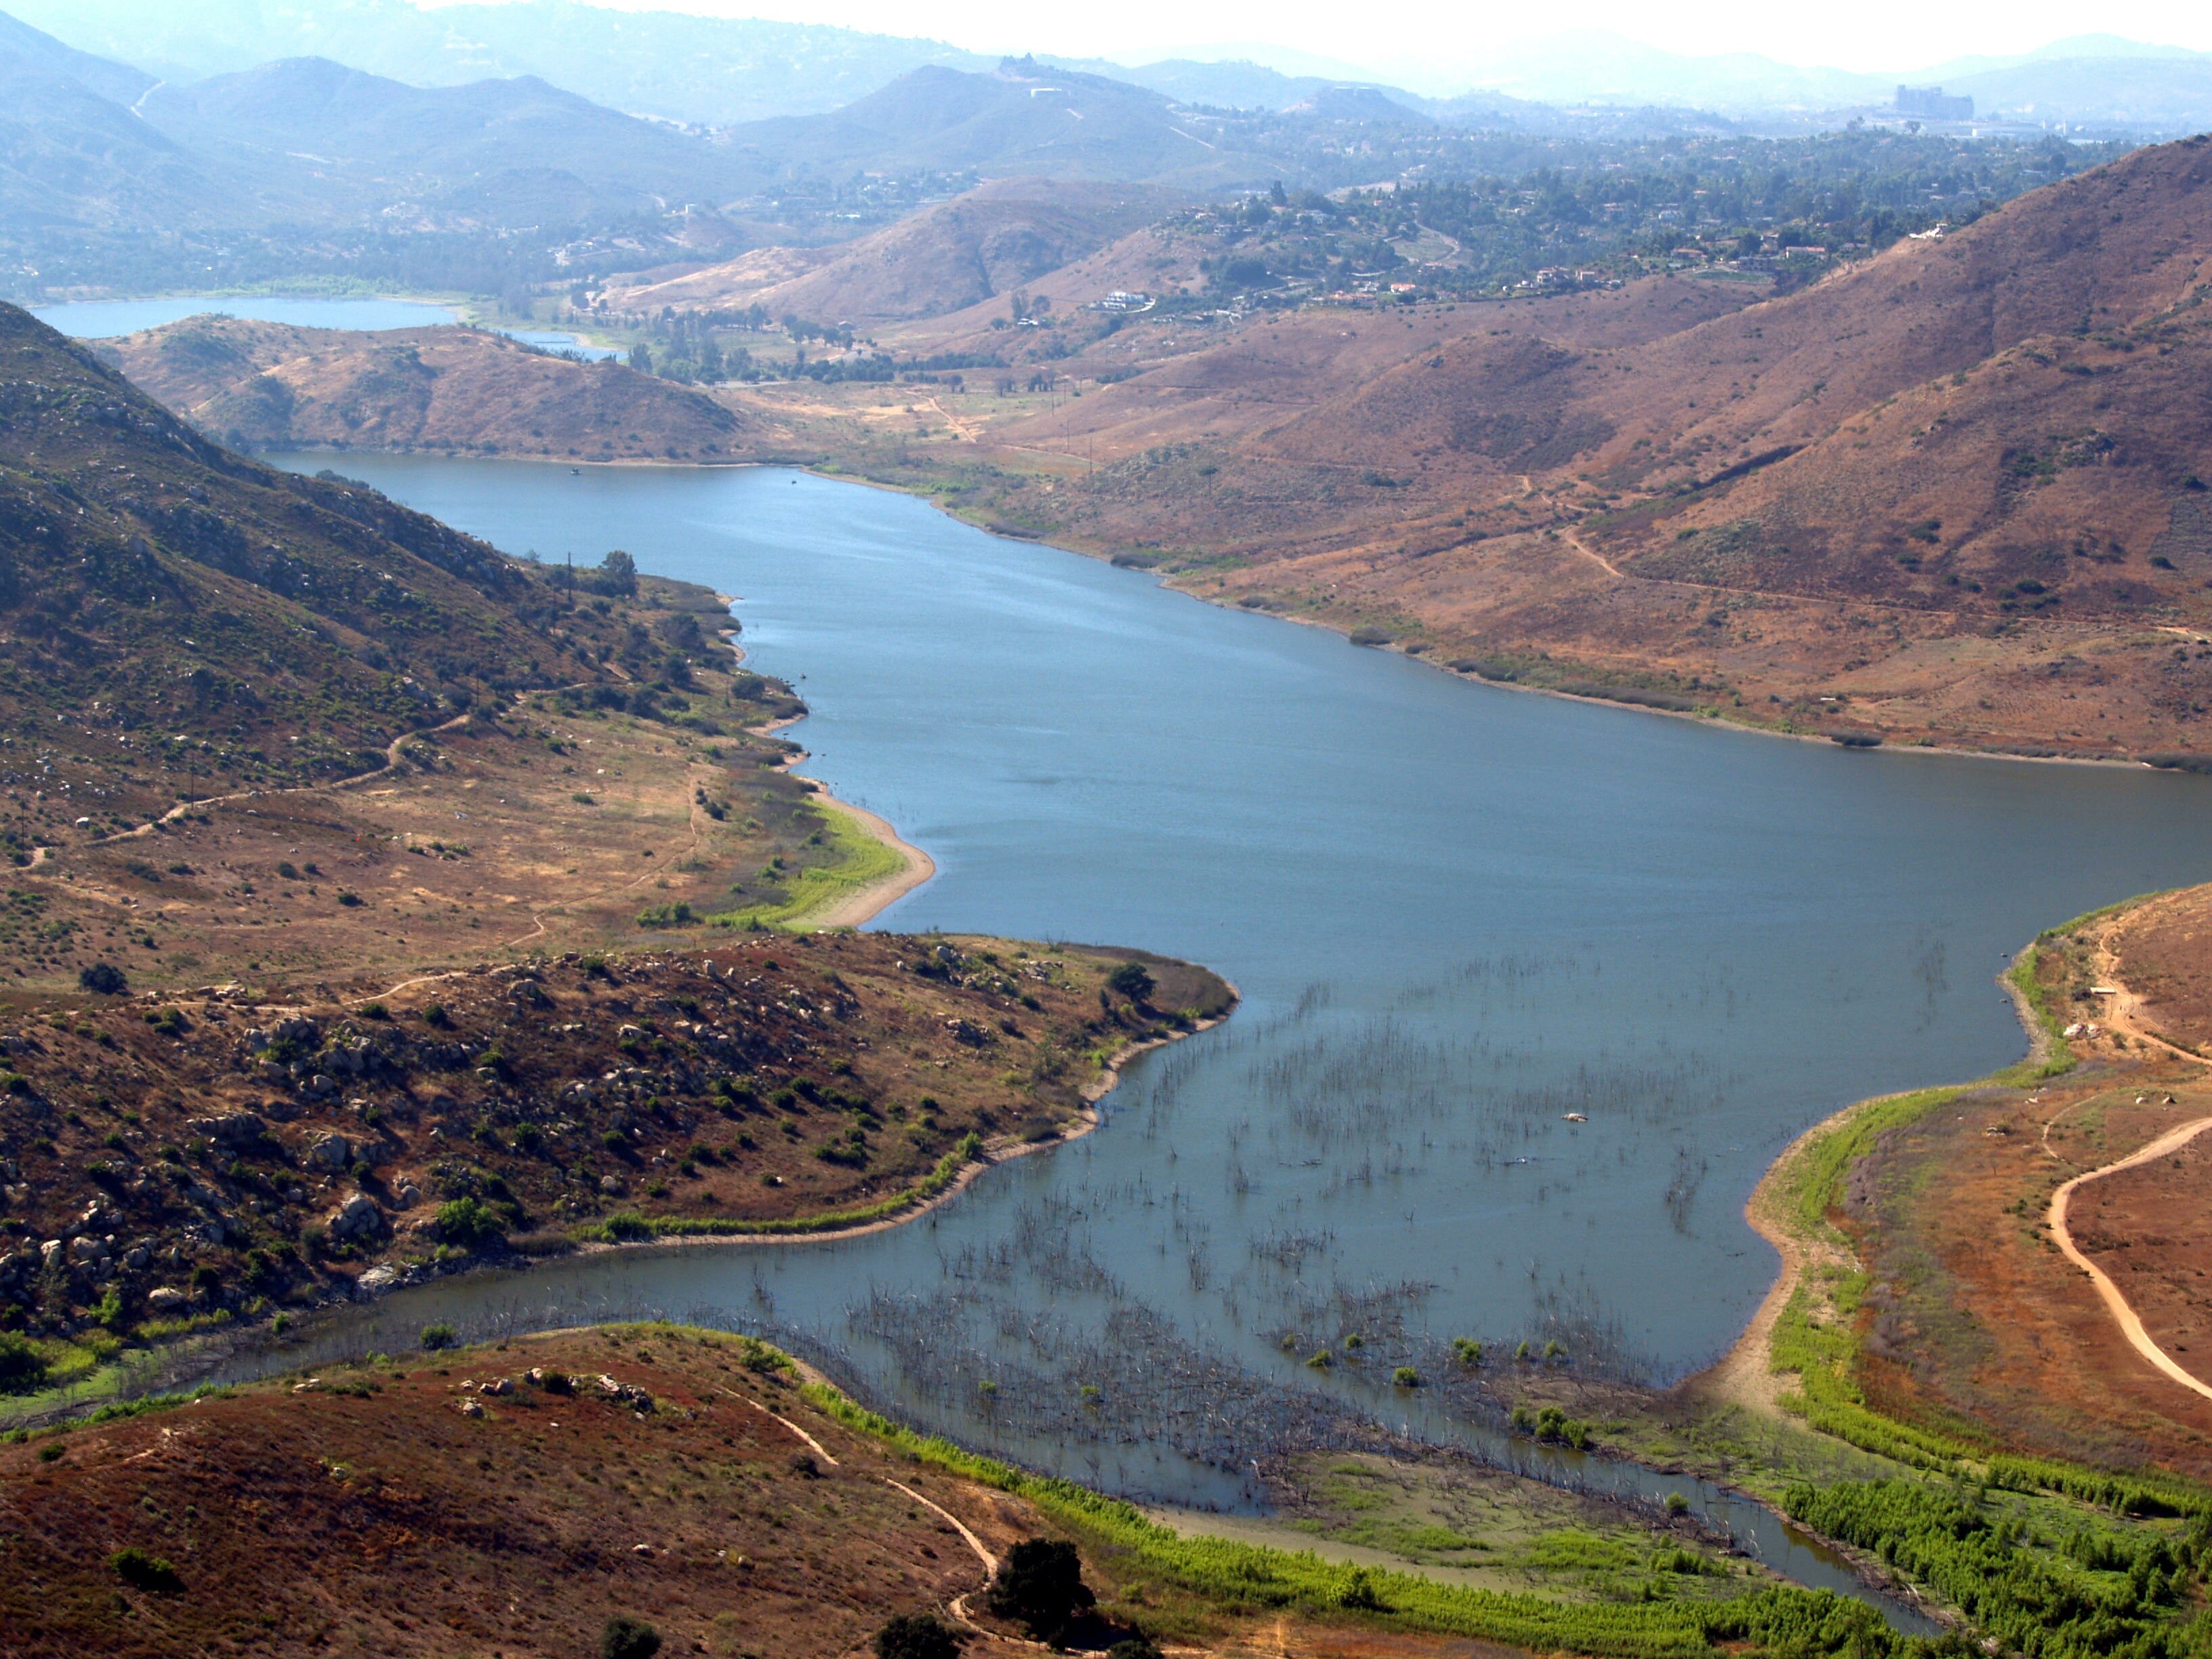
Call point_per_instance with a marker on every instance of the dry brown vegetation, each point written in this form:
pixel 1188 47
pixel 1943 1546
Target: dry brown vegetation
pixel 405 1507
pixel 429 390
pixel 364 1513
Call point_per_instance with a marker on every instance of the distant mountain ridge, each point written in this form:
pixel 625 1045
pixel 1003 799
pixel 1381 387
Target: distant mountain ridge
pixel 725 71
pixel 365 139
pixel 668 64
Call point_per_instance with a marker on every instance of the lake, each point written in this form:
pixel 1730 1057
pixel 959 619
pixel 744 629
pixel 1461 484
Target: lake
pixel 1456 913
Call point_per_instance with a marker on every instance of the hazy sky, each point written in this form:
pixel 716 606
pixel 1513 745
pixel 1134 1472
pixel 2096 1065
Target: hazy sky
pixel 1447 35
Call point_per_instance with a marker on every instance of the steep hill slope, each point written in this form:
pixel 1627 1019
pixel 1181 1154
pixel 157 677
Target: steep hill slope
pixel 944 258
pixel 72 154
pixel 265 386
pixel 174 618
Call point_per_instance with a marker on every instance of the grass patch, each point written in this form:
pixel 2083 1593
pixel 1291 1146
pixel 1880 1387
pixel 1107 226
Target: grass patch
pixel 857 860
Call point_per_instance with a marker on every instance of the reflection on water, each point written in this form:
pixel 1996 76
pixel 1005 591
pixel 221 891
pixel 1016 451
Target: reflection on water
pixel 1457 914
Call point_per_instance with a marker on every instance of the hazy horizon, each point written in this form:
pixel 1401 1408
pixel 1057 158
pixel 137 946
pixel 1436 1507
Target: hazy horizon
pixel 1435 43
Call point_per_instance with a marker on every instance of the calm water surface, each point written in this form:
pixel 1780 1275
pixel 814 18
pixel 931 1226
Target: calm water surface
pixel 1456 913
pixel 96 320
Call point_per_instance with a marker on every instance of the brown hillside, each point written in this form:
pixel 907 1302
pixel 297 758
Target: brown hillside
pixel 943 258
pixel 363 1512
pixel 1950 495
pixel 2109 249
pixel 443 391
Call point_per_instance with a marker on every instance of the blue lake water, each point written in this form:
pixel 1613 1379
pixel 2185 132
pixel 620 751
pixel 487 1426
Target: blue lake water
pixel 98 319
pixel 1456 913
pixel 558 340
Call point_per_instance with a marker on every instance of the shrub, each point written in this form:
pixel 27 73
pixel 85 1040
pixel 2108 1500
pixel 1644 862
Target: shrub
pixel 136 1568
pixel 918 1636
pixel 627 1226
pixel 435 1337
pixel 1040 1586
pixel 22 1367
pixel 1467 1351
pixel 1138 1646
pixel 625 1638
pixel 466 1223
pixel 1552 1424
pixel 104 979
pixel 1406 1377
pixel 1370 635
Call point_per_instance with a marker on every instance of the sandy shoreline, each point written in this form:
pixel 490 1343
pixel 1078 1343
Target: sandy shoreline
pixel 864 904
pixel 1745 1373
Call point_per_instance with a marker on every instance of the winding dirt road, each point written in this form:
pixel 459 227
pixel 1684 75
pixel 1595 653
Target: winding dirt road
pixel 2124 1015
pixel 2115 1303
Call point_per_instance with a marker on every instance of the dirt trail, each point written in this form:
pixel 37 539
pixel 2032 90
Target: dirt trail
pixel 1593 555
pixel 2123 1011
pixel 391 764
pixel 2123 1008
pixel 819 1449
pixel 2115 1303
pixel 958 1606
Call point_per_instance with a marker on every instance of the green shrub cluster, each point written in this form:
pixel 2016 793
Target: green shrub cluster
pixel 1553 1425
pixel 2104 1597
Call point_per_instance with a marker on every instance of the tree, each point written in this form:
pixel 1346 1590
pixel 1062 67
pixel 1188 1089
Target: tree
pixel 640 358
pixel 625 1638
pixel 618 574
pixel 1040 1585
pixel 1130 981
pixel 917 1636
pixel 104 979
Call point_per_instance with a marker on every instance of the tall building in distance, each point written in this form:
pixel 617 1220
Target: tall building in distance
pixel 1929 104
